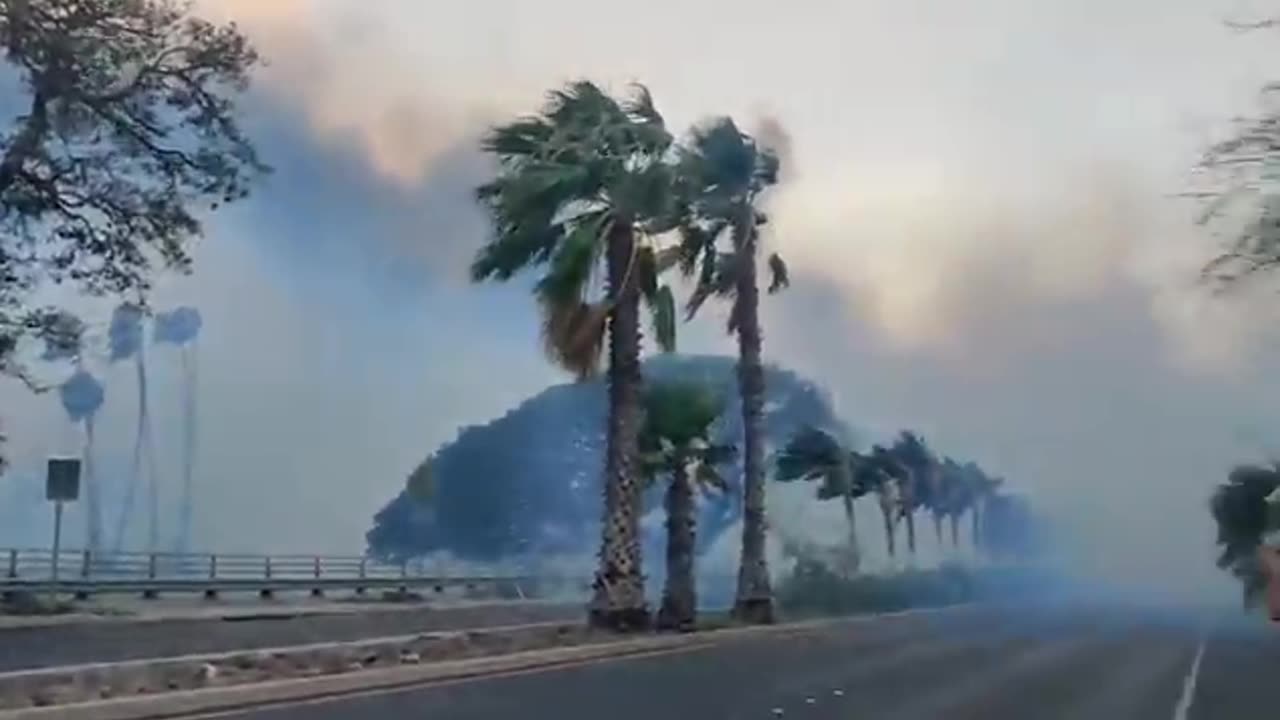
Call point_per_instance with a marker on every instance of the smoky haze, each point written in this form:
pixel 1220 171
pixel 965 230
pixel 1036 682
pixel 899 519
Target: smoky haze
pixel 976 210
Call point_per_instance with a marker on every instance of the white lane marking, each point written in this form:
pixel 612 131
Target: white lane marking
pixel 1189 684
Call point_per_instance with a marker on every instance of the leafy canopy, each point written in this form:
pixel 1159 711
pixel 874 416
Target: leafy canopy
pixel 587 166
pixel 128 127
pixel 723 173
pixel 679 419
pixel 1245 512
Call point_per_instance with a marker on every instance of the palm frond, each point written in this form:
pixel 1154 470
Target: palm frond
pixel 709 478
pixel 662 307
pixel 810 453
pixel 575 257
pixel 779 278
pixel 573 334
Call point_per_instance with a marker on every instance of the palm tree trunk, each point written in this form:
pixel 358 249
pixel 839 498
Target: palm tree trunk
pixel 754 602
pixel 887 513
pixel 975 517
pixel 93 493
pixel 955 531
pixel 679 597
pixel 855 553
pixel 911 532
pixel 618 600
pixel 937 527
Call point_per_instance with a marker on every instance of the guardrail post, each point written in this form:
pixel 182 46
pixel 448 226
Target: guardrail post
pixel 86 562
pixel 151 593
pixel 211 593
pixel 317 591
pixel 266 593
pixel 13 563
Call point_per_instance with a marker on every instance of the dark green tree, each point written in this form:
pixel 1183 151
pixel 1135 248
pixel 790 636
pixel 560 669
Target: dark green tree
pixel 815 455
pixel 920 480
pixel 128 130
pixel 723 174
pixel 582 189
pixel 676 445
pixel 1244 512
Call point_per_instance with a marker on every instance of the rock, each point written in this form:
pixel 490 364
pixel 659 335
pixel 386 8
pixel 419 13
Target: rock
pixel 410 658
pixel 207 672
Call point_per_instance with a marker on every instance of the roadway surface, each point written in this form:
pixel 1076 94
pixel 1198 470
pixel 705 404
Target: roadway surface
pixel 958 664
pixel 26 648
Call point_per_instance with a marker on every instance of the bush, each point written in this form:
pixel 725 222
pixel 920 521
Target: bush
pixel 813 589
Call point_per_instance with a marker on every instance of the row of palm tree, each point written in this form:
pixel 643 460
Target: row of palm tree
pixel 597 193
pixel 906 477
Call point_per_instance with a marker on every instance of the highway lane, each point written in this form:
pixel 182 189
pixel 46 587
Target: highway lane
pixel 24 648
pixel 975 664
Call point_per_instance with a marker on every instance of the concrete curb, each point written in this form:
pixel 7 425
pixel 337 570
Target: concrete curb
pixel 267 612
pixel 178 704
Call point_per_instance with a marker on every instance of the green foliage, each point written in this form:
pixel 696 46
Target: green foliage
pixel 129 127
pixel 679 420
pixel 586 167
pixel 813 454
pixel 812 588
pixel 723 172
pixel 1245 512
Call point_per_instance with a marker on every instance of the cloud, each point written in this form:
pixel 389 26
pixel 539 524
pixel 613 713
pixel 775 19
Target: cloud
pixel 353 83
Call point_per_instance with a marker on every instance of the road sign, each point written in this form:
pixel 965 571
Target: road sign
pixel 62 483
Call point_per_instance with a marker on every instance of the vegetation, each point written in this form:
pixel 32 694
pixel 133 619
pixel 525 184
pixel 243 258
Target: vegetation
pixel 1246 510
pixel 949 490
pixel 130 127
pixel 723 173
pixel 527 484
pixel 813 589
pixel 587 182
pixel 676 444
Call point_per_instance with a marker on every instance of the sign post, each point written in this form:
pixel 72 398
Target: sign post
pixel 62 485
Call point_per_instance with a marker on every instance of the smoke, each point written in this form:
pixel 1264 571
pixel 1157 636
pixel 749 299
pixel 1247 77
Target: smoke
pixel 978 222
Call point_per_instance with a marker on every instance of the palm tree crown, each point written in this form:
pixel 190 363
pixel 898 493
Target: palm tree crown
pixel 588 165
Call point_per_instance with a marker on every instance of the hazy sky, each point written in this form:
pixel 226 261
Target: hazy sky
pixel 977 214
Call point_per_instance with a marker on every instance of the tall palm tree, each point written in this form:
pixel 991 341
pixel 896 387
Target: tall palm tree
pixel 723 174
pixel 1245 512
pixel 981 487
pixel 587 183
pixel 813 454
pixel 920 485
pixel 675 443
pixel 887 478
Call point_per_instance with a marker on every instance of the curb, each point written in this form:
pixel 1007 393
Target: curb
pixel 255 695
pixel 233 614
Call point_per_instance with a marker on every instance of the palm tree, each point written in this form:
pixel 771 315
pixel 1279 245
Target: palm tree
pixel 180 327
pixel 584 183
pixel 1245 512
pixel 723 174
pixel 920 485
pixel 675 443
pixel 887 478
pixel 813 454
pixel 980 487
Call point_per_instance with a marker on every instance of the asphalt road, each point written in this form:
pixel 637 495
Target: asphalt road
pixel 983 664
pixel 24 648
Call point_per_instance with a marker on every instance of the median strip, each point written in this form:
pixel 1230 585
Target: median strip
pixel 175 687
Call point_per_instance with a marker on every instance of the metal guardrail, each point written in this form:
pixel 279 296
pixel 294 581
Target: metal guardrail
pixel 83 573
